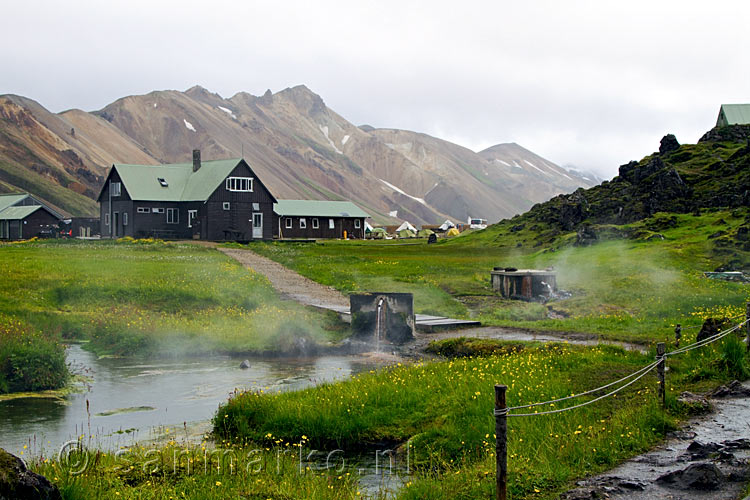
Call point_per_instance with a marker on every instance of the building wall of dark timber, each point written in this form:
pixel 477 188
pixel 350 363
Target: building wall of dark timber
pixel 323 231
pixel 84 226
pixel 32 225
pixel 39 221
pixel 236 223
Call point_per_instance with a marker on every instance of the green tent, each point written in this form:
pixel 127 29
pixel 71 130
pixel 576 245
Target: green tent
pixel 406 233
pixel 425 233
pixel 378 233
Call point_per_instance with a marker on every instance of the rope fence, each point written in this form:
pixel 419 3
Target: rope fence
pixel 502 411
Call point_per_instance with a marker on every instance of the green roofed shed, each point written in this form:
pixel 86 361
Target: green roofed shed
pixel 733 114
pixel 316 219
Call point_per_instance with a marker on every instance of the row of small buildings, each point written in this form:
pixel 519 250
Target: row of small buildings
pixel 214 200
pixel 222 200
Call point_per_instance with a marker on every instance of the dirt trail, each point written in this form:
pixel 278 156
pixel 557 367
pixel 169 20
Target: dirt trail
pixel 706 459
pixel 288 283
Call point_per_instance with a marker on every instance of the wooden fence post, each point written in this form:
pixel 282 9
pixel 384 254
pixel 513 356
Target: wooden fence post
pixel 747 325
pixel 660 350
pixel 501 442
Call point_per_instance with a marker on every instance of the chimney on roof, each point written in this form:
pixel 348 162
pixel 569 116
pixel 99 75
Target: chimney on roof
pixel 196 159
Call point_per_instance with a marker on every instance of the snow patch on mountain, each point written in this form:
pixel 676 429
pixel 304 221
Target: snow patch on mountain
pixel 401 191
pixel 189 125
pixel 344 139
pixel 537 168
pixel 324 129
pixel 227 111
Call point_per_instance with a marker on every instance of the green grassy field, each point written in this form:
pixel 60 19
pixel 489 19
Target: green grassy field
pixel 443 412
pixel 625 287
pixel 178 471
pixel 135 298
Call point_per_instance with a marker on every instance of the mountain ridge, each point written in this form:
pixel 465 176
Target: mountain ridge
pixel 297 145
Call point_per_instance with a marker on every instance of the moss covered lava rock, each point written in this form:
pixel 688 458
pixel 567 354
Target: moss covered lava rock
pixel 19 483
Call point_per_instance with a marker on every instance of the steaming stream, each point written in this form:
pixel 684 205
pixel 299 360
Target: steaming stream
pixel 135 399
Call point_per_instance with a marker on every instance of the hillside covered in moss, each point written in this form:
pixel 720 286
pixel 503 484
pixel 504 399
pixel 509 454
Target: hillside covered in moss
pixel 678 179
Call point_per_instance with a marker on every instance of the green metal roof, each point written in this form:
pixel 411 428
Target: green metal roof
pixel 316 208
pixel 734 114
pixel 18 213
pixel 8 200
pixel 142 181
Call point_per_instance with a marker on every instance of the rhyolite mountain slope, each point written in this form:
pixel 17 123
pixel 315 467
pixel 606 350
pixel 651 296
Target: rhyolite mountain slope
pixel 297 145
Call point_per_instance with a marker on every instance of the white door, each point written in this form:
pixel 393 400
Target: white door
pixel 257 225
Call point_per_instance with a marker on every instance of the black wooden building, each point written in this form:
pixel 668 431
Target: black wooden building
pixel 22 217
pixel 211 200
pixel 314 219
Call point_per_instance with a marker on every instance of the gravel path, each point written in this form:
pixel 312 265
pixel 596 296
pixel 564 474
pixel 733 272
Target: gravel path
pixel 289 284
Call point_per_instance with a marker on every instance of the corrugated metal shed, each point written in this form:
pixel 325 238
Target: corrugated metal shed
pixel 18 213
pixel 733 114
pixel 317 208
pixel 182 184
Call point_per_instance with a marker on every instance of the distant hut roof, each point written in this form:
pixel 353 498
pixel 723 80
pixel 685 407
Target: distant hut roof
pixel 733 114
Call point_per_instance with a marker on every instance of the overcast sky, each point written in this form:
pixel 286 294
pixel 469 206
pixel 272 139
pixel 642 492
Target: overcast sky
pixel 591 84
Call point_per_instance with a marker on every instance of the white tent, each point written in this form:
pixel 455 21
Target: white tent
pixel 446 225
pixel 406 225
pixel 368 227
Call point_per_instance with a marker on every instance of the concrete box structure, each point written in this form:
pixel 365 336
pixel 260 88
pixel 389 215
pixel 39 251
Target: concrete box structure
pixel 396 317
pixel 523 284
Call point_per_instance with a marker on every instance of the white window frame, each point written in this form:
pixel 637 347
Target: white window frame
pixel 116 188
pixel 106 219
pixel 331 224
pixel 239 184
pixel 158 210
pixel 357 224
pixel 315 223
pixel 226 205
pixel 192 215
pixel 124 218
pixel 289 223
pixel 174 215
pixel 143 210
pixel 302 223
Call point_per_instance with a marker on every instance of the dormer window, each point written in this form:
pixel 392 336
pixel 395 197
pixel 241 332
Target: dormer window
pixel 241 184
pixel 163 182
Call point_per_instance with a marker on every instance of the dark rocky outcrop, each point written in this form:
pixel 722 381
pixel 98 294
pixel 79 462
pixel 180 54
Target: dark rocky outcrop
pixel 668 144
pixel 733 389
pixel 586 236
pixel 694 477
pixel 733 133
pixel 19 483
